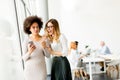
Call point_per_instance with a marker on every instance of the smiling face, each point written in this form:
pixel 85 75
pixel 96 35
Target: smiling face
pixel 50 28
pixel 34 28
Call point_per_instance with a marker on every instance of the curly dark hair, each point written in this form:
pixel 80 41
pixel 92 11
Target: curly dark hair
pixel 76 42
pixel 29 21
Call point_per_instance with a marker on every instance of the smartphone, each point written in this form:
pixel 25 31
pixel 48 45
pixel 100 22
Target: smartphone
pixel 30 43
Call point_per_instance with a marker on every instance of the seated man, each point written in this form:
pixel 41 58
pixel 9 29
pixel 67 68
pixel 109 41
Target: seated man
pixel 75 60
pixel 103 50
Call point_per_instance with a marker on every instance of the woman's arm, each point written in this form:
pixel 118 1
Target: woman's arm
pixel 27 48
pixel 64 43
pixel 64 51
pixel 45 44
pixel 25 55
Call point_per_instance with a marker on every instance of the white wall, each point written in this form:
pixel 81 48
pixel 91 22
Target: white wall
pixel 89 21
pixel 10 60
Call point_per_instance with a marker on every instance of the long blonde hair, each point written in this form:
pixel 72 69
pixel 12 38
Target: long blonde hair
pixel 56 30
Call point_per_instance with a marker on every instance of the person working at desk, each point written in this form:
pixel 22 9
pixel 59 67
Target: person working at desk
pixel 103 50
pixel 75 59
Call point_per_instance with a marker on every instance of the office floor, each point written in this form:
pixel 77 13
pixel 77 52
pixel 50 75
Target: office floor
pixel 99 76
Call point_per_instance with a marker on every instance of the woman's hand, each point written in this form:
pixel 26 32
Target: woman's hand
pixel 44 44
pixel 50 50
pixel 31 48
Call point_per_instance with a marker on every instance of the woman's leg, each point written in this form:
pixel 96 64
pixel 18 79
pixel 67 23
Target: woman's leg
pixel 67 68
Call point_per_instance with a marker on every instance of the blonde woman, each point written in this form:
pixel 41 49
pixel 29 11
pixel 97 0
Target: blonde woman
pixel 59 49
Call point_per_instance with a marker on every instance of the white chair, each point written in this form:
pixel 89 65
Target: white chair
pixel 113 66
pixel 78 72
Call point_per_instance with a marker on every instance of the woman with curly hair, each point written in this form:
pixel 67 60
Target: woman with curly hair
pixel 34 50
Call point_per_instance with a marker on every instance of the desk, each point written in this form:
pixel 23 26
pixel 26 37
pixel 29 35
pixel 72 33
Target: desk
pixel 93 59
pixel 113 64
pixel 113 59
pixel 110 56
